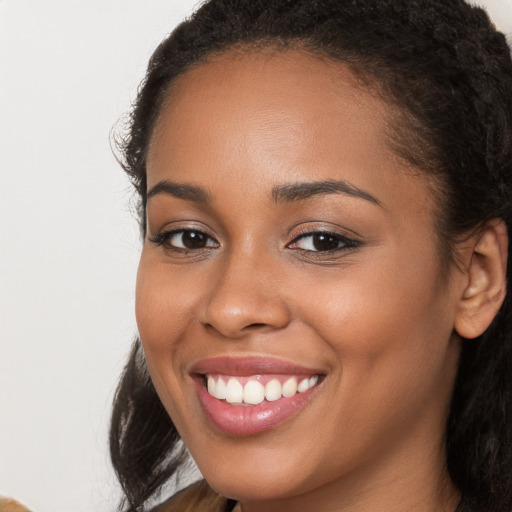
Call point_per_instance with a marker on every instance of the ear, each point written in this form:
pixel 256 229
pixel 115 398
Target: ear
pixel 486 284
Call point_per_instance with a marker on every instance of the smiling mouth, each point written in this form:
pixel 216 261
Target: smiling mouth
pixel 257 389
pixel 252 395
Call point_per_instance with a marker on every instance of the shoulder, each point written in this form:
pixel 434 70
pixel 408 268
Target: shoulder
pixel 197 497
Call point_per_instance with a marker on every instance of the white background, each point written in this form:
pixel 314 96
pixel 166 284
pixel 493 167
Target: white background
pixel 68 242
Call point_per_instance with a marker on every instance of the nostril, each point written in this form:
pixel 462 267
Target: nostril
pixel 255 325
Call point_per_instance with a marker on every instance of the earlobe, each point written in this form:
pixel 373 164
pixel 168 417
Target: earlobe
pixel 486 285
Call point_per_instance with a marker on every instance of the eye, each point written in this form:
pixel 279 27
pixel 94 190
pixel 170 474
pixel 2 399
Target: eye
pixel 184 240
pixel 322 242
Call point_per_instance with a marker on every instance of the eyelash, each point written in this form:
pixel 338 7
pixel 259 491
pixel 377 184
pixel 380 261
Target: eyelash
pixel 164 238
pixel 343 242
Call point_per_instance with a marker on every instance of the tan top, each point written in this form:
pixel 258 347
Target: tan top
pixel 197 497
pixel 10 505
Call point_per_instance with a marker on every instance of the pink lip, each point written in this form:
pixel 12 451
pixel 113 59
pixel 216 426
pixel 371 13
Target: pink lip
pixel 250 366
pixel 242 420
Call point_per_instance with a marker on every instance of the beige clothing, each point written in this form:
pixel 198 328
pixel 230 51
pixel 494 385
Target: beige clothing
pixel 10 505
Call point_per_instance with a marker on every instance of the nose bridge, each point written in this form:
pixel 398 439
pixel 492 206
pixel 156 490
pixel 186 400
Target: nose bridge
pixel 245 295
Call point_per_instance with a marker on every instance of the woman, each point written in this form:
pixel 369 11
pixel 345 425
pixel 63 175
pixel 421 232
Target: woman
pixel 321 298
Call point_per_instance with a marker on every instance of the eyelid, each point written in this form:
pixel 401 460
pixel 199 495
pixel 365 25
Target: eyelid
pixel 311 228
pixel 319 226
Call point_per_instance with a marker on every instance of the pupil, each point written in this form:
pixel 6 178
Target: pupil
pixel 193 240
pixel 325 242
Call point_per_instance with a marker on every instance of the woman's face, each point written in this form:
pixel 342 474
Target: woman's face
pixel 288 246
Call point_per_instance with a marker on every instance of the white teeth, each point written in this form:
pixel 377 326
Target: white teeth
pixel 220 390
pixel 290 387
pixel 211 385
pixel 254 393
pixel 273 390
pixel 234 392
pixel 303 385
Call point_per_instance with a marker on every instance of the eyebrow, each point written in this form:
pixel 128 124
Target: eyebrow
pixel 285 193
pixel 181 191
pixel 304 190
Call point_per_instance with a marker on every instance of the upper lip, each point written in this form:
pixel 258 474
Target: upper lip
pixel 254 365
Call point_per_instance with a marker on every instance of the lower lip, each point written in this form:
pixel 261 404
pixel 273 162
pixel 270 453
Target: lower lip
pixel 242 420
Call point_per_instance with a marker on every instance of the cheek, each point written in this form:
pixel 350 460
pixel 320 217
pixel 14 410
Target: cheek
pixel 389 340
pixel 390 293
pixel 387 324
pixel 164 304
pixel 164 307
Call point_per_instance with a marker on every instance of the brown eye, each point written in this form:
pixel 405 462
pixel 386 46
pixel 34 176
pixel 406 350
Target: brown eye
pixel 185 239
pixel 322 242
pixel 193 239
pixel 325 242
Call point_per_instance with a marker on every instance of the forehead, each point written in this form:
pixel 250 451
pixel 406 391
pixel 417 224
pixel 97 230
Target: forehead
pixel 273 114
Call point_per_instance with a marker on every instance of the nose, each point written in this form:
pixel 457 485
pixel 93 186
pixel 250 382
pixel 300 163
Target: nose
pixel 245 297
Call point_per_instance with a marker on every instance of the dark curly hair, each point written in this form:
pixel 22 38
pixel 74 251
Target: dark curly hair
pixel 449 73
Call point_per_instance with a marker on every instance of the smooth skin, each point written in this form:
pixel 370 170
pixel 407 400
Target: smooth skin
pixel 236 264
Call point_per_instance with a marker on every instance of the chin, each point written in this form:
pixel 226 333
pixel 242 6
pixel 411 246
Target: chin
pixel 250 487
pixel 247 478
